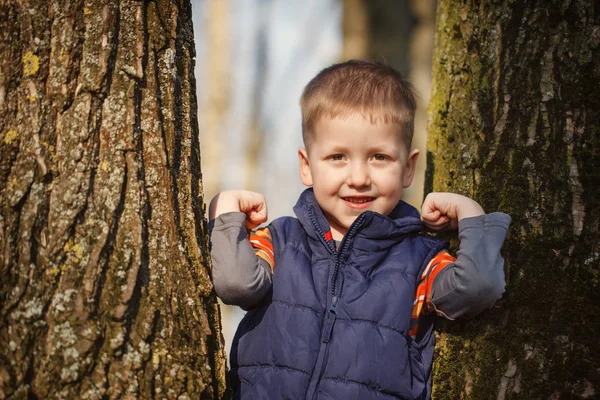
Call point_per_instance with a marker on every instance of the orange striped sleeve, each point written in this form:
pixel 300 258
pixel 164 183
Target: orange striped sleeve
pixel 262 243
pixel 422 303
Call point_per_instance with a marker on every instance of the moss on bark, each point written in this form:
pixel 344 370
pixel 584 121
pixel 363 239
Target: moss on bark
pixel 513 123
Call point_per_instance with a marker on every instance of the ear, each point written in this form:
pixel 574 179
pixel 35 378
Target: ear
pixel 305 174
pixel 409 168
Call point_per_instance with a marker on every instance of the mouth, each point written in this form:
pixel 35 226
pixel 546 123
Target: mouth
pixel 358 200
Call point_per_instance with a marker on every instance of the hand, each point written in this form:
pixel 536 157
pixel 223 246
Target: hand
pixel 441 211
pixel 250 203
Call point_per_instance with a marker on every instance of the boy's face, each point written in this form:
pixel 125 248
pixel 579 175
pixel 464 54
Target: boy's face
pixel 355 166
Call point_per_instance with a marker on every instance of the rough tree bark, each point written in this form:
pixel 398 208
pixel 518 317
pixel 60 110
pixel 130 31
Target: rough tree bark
pixel 515 124
pixel 104 280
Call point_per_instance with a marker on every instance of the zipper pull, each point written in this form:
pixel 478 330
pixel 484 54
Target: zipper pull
pixel 331 319
pixel 334 302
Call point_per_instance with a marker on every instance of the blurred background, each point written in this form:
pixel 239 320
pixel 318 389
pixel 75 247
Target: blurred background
pixel 254 57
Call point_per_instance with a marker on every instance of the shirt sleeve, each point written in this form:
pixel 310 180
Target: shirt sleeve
pixel 422 304
pixel 242 263
pixel 473 281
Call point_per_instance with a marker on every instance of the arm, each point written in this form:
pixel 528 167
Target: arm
pixel 475 281
pixel 240 277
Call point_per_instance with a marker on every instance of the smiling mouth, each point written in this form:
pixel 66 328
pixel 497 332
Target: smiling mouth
pixel 358 200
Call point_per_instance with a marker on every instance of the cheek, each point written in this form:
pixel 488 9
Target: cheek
pixel 327 179
pixel 327 187
pixel 390 182
pixel 394 187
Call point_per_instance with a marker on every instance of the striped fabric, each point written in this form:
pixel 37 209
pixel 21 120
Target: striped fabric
pixel 263 247
pixel 262 243
pixel 422 304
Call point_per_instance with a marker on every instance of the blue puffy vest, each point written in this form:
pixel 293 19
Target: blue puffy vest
pixel 335 325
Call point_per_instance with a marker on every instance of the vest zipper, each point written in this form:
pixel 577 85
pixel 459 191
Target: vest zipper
pixel 343 249
pixel 335 297
pixel 335 293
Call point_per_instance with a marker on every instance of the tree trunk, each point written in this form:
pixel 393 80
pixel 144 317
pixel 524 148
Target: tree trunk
pixel 104 277
pixel 355 29
pixel 515 124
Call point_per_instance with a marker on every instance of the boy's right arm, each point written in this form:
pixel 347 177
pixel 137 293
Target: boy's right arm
pixel 240 277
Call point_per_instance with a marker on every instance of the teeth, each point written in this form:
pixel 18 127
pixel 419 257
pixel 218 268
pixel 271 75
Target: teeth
pixel 358 201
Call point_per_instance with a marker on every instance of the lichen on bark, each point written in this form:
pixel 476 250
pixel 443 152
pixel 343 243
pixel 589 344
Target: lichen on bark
pixel 104 267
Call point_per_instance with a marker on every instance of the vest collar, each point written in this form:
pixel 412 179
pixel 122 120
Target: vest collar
pixel 404 219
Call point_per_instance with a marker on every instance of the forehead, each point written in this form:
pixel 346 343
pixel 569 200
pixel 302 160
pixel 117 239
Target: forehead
pixel 355 127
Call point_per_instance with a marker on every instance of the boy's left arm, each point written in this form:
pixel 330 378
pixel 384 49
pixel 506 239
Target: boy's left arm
pixel 475 280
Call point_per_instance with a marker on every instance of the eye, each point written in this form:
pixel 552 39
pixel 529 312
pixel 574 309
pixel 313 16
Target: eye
pixel 336 157
pixel 380 157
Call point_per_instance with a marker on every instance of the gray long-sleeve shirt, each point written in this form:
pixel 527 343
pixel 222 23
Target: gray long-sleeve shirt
pixel 473 283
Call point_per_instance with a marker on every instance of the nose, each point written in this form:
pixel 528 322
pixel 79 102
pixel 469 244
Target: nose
pixel 358 175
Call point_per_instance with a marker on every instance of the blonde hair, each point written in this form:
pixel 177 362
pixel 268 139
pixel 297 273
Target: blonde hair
pixel 373 89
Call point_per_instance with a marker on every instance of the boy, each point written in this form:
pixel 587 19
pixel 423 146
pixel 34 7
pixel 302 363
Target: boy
pixel 342 298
